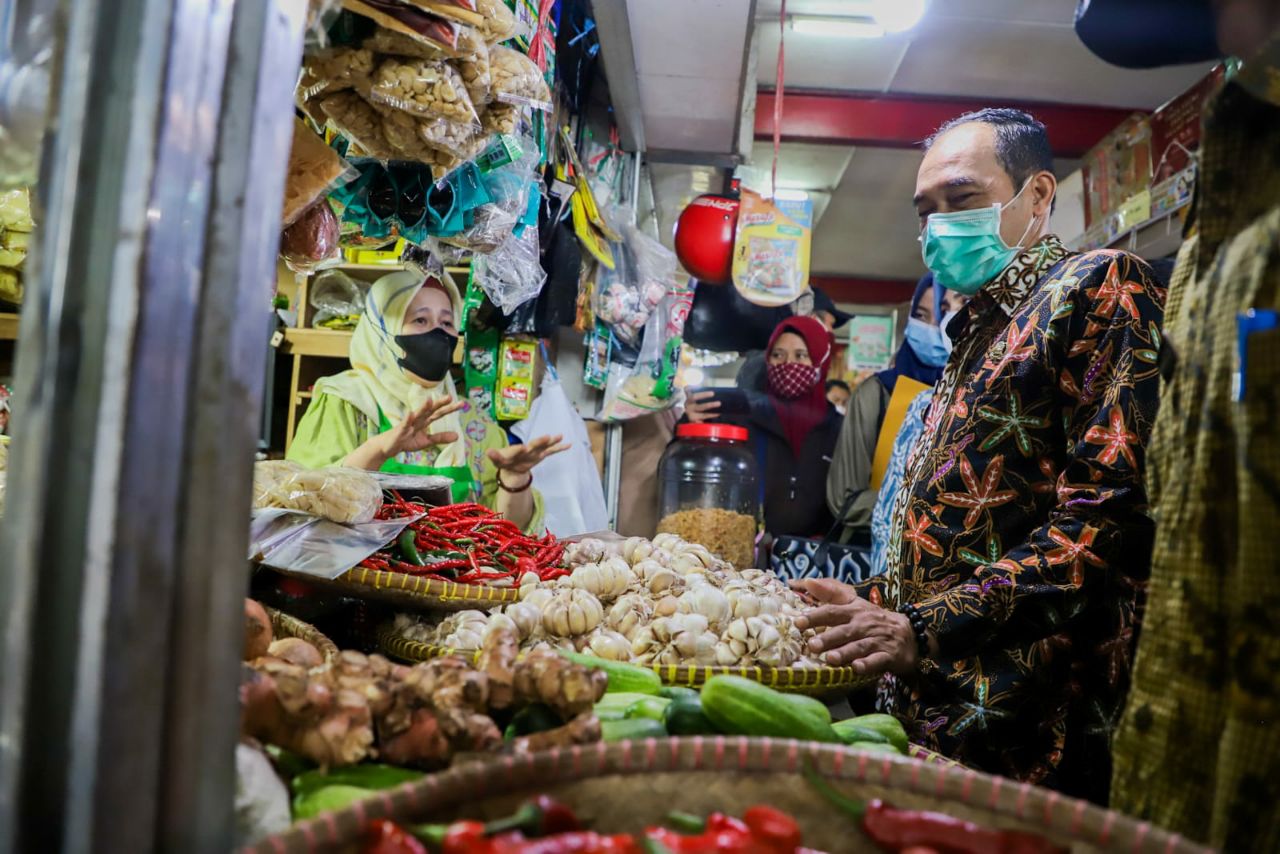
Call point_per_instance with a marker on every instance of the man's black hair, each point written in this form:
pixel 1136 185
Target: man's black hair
pixel 838 384
pixel 1022 143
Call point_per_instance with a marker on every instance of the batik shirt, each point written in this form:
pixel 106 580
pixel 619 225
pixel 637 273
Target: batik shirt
pixel 1198 750
pixel 1021 531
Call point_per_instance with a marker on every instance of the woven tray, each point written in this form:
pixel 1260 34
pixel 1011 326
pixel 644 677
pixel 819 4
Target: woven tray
pixel 412 592
pixel 625 786
pixel 287 626
pixel 796 680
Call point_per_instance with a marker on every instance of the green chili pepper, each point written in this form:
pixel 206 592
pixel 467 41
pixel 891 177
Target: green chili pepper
pixel 409 548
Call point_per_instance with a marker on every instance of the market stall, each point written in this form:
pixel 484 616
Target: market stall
pixel 425 633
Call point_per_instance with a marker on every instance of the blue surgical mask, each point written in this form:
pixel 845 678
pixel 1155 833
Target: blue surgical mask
pixel 927 343
pixel 964 250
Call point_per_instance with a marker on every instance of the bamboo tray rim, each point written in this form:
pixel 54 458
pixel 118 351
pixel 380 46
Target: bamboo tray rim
pixel 1061 817
pixel 788 679
pixel 412 590
pixel 287 625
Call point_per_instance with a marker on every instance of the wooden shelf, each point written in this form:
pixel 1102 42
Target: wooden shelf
pixel 331 343
pixel 8 326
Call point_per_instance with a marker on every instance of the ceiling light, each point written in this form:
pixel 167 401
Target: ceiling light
pixel 848 28
pixel 897 16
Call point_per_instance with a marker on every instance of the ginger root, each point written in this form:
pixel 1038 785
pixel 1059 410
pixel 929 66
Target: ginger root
pixel 569 689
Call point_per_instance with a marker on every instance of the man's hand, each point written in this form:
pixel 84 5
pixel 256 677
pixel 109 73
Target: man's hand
pixel 520 459
pixel 870 639
pixel 411 435
pixel 824 591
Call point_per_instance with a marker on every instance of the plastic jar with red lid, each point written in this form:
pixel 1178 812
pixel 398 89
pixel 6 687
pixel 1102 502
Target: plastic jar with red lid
pixel 709 490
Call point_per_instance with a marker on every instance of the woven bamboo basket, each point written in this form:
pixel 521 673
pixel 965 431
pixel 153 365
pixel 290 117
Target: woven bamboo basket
pixel 412 592
pixel 626 786
pixel 286 626
pixel 815 681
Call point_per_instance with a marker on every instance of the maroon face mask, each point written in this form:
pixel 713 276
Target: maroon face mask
pixel 792 380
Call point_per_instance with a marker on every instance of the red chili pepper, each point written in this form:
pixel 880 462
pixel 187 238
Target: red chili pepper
pixel 895 829
pixel 773 827
pixel 467 837
pixel 385 837
pixel 577 842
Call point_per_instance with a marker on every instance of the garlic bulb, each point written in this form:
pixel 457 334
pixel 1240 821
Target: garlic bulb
pixel 605 580
pixel 526 616
pixel 499 622
pixel 571 613
pixel 655 577
pixel 636 549
pixel 628 614
pixel 609 645
pixel 743 602
pixel 705 600
pixel 666 606
pixel 538 597
pixel 529 579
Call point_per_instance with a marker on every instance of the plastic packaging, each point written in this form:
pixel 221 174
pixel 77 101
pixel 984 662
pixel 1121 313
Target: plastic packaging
pixel 771 252
pixel 709 490
pixel 499 118
pixel 312 239
pixel 514 393
pixel 509 187
pixel 428 29
pixel 359 122
pixel 649 386
pixel 453 138
pixel 499 21
pixel 394 43
pixel 476 75
pixel 338 300
pixel 314 170
pixel 512 273
pixel 515 79
pixel 401 132
pixel 625 297
pixel 340 495
pixel 294 541
pixel 569 482
pixel 424 88
pixel 335 70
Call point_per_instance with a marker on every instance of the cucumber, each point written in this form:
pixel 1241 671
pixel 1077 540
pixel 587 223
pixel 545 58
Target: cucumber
pixel 859 735
pixel 809 705
pixel 653 708
pixel 872 747
pixel 620 701
pixel 367 776
pixel 328 799
pixel 603 715
pixel 675 692
pixel 686 717
pixel 887 725
pixel 637 728
pixel 622 677
pixel 536 717
pixel 738 706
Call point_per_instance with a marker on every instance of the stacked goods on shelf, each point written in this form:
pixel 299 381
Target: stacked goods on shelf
pixel 16 226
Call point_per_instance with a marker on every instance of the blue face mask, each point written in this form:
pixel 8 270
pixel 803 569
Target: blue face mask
pixel 927 342
pixel 964 250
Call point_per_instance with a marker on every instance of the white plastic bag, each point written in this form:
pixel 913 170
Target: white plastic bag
pixel 569 482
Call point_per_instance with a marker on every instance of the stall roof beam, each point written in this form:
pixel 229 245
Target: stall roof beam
pixel 896 121
pixel 864 291
pixel 619 58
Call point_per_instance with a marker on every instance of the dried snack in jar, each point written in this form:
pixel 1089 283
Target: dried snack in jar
pixel 314 168
pixel 515 79
pixel 499 21
pixel 335 70
pixel 311 240
pixel 729 535
pixel 424 88
pixel 359 122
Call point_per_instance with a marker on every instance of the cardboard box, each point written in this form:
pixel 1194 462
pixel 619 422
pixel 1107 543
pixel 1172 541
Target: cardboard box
pixel 1175 127
pixel 1117 168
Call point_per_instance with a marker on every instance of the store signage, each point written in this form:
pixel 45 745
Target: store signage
pixel 871 340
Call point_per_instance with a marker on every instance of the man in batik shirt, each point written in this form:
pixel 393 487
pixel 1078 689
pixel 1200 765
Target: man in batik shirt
pixel 1020 541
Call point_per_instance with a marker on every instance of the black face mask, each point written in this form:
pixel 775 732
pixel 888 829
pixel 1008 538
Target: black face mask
pixel 428 354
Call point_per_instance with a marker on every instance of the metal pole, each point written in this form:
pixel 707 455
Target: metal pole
pixel 124 544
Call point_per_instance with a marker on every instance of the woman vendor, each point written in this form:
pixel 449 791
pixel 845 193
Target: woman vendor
pixel 397 410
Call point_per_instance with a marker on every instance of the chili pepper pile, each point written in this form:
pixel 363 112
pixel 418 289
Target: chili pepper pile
pixel 467 544
pixel 545 826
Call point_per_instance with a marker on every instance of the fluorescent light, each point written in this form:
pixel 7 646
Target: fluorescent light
pixel 848 28
pixel 897 16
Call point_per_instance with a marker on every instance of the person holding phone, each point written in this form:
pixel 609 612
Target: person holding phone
pixel 793 426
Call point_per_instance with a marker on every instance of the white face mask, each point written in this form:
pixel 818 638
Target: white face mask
pixel 841 409
pixel 946 339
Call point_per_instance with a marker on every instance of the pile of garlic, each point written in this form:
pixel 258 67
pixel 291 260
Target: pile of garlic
pixel 662 601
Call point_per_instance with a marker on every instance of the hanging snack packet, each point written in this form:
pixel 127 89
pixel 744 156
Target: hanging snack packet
pixel 408 20
pixel 598 344
pixel 359 122
pixel 312 240
pixel 515 379
pixel 499 22
pixel 476 75
pixel 517 80
pixel 314 170
pixel 335 70
pixel 771 253
pixel 480 368
pixel 424 88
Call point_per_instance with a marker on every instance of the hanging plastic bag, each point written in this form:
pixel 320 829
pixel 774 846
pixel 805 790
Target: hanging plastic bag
pixel 771 252
pixel 569 482
pixel 649 386
pixel 626 296
pixel 313 240
pixel 338 300
pixel 515 79
pixel 424 88
pixel 315 169
pixel 512 273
